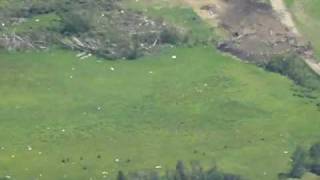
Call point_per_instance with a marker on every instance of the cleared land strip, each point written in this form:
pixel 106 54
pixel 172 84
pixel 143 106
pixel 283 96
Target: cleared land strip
pixel 286 18
pixel 277 5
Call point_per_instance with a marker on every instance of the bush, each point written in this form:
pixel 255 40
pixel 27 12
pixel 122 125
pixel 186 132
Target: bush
pixel 315 151
pixel 296 69
pixel 181 173
pixel 169 35
pixel 298 167
pixel 74 22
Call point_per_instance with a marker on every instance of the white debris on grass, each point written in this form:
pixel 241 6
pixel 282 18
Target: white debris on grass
pixel 174 57
pixel 63 130
pixel 150 72
pixel 112 68
pixel 8 177
pixel 40 175
pixel 39 152
pixel 2 148
pixel 71 77
pixel 104 172
pixel 117 160
pixel 122 11
pixel 205 84
pixel 73 68
pixel 29 148
pixel 13 156
pixel 3 24
pixel 86 56
pixel 37 20
pixel 158 167
pixel 99 108
pixel 285 152
pixel 81 54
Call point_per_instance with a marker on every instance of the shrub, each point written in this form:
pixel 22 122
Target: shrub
pixel 298 166
pixel 315 151
pixel 169 35
pixel 296 69
pixel 74 22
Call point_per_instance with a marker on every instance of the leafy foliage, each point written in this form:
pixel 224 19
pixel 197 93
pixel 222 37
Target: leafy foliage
pixel 181 173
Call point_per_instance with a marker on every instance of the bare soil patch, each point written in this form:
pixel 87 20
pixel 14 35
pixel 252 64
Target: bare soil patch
pixel 254 30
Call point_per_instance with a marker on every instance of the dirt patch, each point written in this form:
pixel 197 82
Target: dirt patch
pixel 253 30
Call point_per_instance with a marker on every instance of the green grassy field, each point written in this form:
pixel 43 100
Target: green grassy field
pixel 66 118
pixel 55 107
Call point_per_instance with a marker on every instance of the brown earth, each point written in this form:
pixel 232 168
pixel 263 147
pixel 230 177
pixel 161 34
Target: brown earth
pixel 254 30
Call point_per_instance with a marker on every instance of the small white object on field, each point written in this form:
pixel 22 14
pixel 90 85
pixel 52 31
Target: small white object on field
pixel 264 173
pixel 8 177
pixel 40 175
pixel 39 152
pixel 13 156
pixel 205 84
pixel 174 57
pixel 73 68
pixel 71 77
pixel 29 148
pixel 37 20
pixel 150 72
pixel 2 148
pixel 104 172
pixel 3 24
pixel 63 130
pixel 285 152
pixel 81 54
pixel 99 108
pixel 116 160
pixel 112 68
pixel 158 167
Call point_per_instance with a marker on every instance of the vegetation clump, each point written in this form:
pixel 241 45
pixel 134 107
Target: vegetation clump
pixel 103 28
pixel 181 172
pixel 304 161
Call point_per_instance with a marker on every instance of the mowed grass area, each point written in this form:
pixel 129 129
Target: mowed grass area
pixel 66 118
pixel 307 16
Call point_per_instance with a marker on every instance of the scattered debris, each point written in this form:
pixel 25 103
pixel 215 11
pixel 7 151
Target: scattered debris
pixel 112 68
pixel 174 57
pixel 117 160
pixel 158 167
pixel 29 148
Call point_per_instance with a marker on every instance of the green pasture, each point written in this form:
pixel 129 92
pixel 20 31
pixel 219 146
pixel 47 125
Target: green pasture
pixel 63 117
